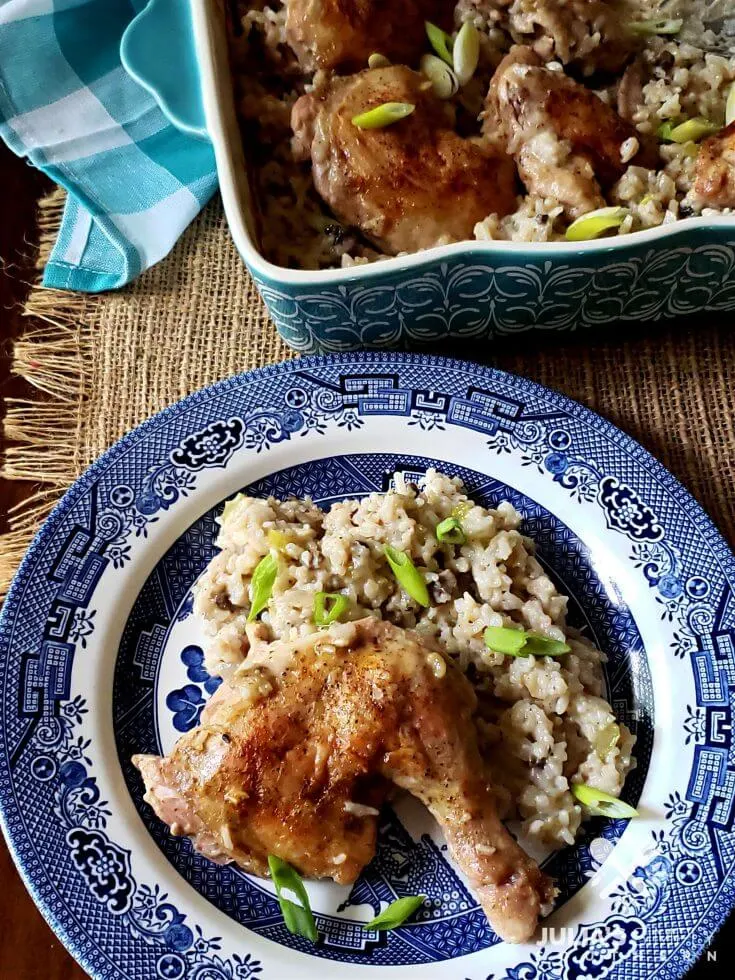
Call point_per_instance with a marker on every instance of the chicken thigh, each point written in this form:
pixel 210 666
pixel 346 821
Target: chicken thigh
pixel 334 33
pixel 300 746
pixel 567 142
pixel 715 181
pixel 409 185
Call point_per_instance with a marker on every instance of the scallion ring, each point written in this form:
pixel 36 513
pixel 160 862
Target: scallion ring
pixel 261 585
pixel 730 106
pixel 595 223
pixel 444 82
pixel 601 804
pixel 440 41
pixel 396 913
pixel 378 60
pixel 450 531
pixel 383 115
pixel 299 919
pixel 519 643
pixel 688 131
pixel 659 25
pixel 329 607
pixel 407 575
pixel 466 52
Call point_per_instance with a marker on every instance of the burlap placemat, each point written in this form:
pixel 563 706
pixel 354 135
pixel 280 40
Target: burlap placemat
pixel 101 364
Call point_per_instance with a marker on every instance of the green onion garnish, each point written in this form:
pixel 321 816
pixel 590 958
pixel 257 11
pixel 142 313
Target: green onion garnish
pixel 383 115
pixel 689 131
pixel 298 918
pixel 261 585
pixel 730 106
pixel 450 530
pixel 595 223
pixel 518 643
pixel 444 82
pixel 660 25
pixel 229 507
pixel 396 913
pixel 328 607
pixel 462 509
pixel 466 52
pixel 407 575
pixel 440 41
pixel 601 804
pixel 378 60
pixel 607 739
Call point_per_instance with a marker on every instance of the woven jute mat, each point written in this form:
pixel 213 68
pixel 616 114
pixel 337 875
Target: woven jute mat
pixel 101 364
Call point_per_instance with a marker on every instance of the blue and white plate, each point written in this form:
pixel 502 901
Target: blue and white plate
pixel 100 657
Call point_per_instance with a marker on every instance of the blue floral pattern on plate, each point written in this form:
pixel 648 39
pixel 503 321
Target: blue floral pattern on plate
pixel 642 560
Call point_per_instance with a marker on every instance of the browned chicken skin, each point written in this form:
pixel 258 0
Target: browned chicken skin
pixel 566 141
pixel 715 181
pixel 299 747
pixel 338 33
pixel 407 186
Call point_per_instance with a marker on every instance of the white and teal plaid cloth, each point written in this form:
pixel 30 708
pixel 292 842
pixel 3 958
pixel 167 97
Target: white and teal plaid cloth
pixel 66 103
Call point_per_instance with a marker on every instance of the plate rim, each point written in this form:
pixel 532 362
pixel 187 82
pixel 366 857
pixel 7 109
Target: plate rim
pixel 622 440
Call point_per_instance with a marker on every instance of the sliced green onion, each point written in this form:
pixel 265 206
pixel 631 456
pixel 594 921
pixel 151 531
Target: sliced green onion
pixel 646 199
pixel 229 507
pixel 607 739
pixel 660 25
pixel 298 918
pixel 462 510
pixel 691 130
pixel 544 646
pixel 466 52
pixel 396 913
pixel 444 82
pixel 261 585
pixel 595 223
pixel 450 530
pixel 383 115
pixel 407 575
pixel 601 804
pixel 730 106
pixel 378 60
pixel 440 41
pixel 328 607
pixel 504 639
pixel 518 643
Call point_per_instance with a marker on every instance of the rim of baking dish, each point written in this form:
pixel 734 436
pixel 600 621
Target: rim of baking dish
pixel 216 79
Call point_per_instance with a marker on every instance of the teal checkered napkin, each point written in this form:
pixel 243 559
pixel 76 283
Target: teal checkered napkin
pixel 66 103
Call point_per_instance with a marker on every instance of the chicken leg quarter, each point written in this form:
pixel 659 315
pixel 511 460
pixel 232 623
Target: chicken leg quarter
pixel 301 745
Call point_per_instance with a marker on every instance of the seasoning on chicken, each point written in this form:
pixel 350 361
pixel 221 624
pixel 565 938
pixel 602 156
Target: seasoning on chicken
pixel 332 33
pixel 586 33
pixel 407 186
pixel 568 143
pixel 715 169
pixel 300 746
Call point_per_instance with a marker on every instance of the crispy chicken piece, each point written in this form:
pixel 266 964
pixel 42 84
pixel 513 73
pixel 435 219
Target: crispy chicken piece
pixel 715 169
pixel 585 33
pixel 407 186
pixel 334 33
pixel 299 747
pixel 567 142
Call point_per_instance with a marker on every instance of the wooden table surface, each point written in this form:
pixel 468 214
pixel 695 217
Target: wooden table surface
pixel 28 948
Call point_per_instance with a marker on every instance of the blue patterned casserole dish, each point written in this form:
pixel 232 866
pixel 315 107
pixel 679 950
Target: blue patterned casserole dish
pixel 468 290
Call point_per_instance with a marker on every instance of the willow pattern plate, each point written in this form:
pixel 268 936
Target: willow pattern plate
pixel 101 657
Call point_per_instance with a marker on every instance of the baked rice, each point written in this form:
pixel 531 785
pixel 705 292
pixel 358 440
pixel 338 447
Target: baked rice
pixel 544 722
pixel 297 230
